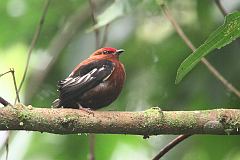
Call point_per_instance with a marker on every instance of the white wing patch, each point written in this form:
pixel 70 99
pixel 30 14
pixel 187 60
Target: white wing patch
pixel 87 77
pixel 70 81
pixel 109 74
pixel 94 75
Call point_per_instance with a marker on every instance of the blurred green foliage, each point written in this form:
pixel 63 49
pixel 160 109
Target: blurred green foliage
pixel 153 53
pixel 221 37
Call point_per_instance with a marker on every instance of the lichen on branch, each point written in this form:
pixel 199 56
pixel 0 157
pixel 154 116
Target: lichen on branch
pixel 153 121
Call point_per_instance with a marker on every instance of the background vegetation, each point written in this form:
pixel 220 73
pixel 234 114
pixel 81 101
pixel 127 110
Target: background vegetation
pixel 154 51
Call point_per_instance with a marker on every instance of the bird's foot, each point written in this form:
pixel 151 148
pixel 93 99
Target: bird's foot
pixel 88 110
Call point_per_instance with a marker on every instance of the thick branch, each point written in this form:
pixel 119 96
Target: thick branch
pixel 150 122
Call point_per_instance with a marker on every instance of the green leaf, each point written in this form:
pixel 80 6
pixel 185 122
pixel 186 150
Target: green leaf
pixel 224 35
pixel 114 11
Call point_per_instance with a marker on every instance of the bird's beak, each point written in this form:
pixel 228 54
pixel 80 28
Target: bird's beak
pixel 120 51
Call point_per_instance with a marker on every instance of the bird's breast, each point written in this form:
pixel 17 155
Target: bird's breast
pixel 106 92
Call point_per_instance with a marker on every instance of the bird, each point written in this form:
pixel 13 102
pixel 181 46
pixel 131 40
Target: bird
pixel 94 83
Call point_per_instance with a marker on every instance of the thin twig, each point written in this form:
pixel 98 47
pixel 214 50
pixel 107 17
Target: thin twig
pixel 94 19
pixel 15 84
pixel 105 36
pixel 91 146
pixel 11 70
pixel 7 145
pixel 213 70
pixel 170 145
pixel 4 102
pixel 33 43
pixel 218 3
pixel 5 73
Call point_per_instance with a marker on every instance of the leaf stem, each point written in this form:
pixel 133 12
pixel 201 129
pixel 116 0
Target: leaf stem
pixel 223 11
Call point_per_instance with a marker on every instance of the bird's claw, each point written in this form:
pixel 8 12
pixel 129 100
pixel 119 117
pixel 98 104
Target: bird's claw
pixel 88 110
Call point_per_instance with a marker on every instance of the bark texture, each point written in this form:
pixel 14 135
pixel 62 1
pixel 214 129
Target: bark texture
pixel 153 121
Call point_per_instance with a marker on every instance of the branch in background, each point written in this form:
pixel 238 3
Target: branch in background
pixel 33 43
pixel 150 122
pixel 4 102
pixel 11 70
pixel 15 84
pixel 105 36
pixel 223 11
pixel 171 145
pixel 94 19
pixel 7 146
pixel 91 137
pixel 214 71
pixel 5 73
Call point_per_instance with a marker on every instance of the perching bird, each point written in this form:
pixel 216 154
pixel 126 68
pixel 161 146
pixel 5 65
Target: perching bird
pixel 95 83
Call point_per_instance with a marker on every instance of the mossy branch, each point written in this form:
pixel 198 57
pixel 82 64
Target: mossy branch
pixel 153 121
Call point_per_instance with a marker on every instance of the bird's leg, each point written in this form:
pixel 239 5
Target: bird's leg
pixel 88 110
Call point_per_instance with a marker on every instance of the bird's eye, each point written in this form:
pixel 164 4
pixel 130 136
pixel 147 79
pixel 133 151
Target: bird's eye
pixel 105 52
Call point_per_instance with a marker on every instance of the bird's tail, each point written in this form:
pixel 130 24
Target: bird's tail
pixel 56 103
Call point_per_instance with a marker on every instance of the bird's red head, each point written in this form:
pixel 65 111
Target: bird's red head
pixel 107 53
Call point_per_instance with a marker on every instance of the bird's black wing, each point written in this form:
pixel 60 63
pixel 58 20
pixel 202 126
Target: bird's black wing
pixel 86 77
